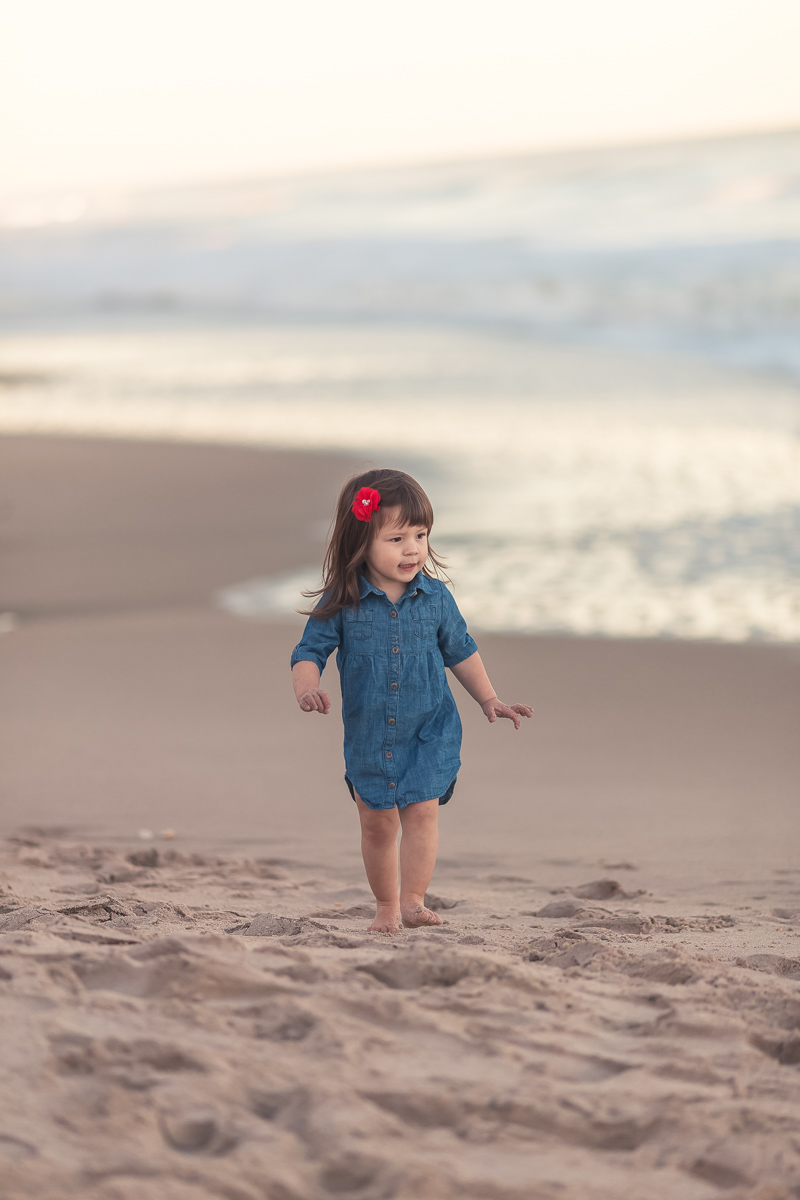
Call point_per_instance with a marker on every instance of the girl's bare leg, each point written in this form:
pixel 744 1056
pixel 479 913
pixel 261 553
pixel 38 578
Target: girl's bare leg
pixel 379 830
pixel 418 848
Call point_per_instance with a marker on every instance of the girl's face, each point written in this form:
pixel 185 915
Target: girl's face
pixel 396 552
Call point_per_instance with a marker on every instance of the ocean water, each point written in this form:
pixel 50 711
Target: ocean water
pixel 592 361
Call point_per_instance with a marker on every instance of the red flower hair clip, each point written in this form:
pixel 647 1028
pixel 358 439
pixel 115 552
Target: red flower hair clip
pixel 365 503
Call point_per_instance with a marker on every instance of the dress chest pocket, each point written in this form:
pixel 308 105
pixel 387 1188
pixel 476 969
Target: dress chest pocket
pixel 425 622
pixel 358 624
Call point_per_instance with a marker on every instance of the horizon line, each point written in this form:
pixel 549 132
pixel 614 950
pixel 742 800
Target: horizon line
pixel 356 166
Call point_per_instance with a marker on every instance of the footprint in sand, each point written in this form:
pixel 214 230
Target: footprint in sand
pixel 77 1053
pixel 607 1127
pixel 582 1068
pixel 784 1049
pixel 560 908
pixel 195 1130
pixel 600 889
pixel 269 1103
pixel 773 964
pixel 12 1148
pixel 170 969
pixel 426 965
pixel 719 1174
pixel 289 1023
pixel 350 1173
pixel 270 925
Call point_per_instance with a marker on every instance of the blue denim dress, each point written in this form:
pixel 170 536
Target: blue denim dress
pixel 402 731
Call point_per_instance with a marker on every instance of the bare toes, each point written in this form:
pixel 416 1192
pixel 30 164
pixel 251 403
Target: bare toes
pixel 421 916
pixel 383 924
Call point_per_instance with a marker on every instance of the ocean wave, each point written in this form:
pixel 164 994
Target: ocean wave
pixel 691 247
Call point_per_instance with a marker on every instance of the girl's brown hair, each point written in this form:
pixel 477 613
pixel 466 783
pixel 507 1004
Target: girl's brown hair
pixel 350 538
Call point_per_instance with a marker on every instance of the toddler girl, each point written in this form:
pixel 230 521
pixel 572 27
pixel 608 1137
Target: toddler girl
pixel 395 627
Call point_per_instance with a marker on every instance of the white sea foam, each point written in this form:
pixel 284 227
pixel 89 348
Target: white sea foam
pixel 554 590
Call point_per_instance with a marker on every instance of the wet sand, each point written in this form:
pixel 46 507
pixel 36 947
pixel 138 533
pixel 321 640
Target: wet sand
pixel 613 1005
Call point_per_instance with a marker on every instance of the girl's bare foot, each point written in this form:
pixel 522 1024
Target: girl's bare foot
pixel 387 919
pixel 415 914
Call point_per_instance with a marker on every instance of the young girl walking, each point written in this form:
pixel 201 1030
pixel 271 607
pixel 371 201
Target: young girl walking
pixel 395 627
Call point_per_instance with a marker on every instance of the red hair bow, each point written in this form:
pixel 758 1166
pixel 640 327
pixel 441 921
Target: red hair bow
pixel 365 503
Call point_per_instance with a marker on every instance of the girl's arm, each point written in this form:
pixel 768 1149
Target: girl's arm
pixel 319 640
pixel 471 674
pixel 305 680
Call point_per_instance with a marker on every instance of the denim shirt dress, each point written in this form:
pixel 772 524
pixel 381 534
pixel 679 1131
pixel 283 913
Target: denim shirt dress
pixel 402 731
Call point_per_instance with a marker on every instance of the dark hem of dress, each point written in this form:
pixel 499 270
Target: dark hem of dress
pixel 443 799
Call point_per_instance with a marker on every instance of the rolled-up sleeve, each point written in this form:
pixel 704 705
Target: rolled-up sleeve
pixel 319 640
pixel 455 642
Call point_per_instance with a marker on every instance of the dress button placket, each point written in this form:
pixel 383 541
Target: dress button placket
pixel 391 715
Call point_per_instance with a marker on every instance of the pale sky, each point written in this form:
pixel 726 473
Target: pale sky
pixel 110 93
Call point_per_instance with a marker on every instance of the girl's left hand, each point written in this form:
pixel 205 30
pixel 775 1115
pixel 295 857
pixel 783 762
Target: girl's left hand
pixel 495 708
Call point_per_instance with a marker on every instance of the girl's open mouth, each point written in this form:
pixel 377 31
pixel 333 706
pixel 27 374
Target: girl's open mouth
pixel 408 566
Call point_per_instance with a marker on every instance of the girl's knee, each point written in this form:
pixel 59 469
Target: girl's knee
pixel 378 824
pixel 424 812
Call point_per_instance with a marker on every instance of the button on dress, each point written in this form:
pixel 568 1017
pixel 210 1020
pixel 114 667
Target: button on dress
pixel 402 731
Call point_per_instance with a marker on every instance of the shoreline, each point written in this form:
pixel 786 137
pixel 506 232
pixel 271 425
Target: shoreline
pixel 95 443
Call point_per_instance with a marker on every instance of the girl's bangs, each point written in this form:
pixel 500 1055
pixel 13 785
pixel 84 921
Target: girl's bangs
pixel 415 507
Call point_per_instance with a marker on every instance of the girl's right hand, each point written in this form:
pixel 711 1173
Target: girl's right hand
pixel 315 700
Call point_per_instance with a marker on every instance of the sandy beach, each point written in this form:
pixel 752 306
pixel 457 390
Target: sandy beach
pixel 192 1006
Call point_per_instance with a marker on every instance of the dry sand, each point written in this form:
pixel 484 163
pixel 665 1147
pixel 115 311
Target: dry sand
pixel 188 1025
pixel 612 1007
